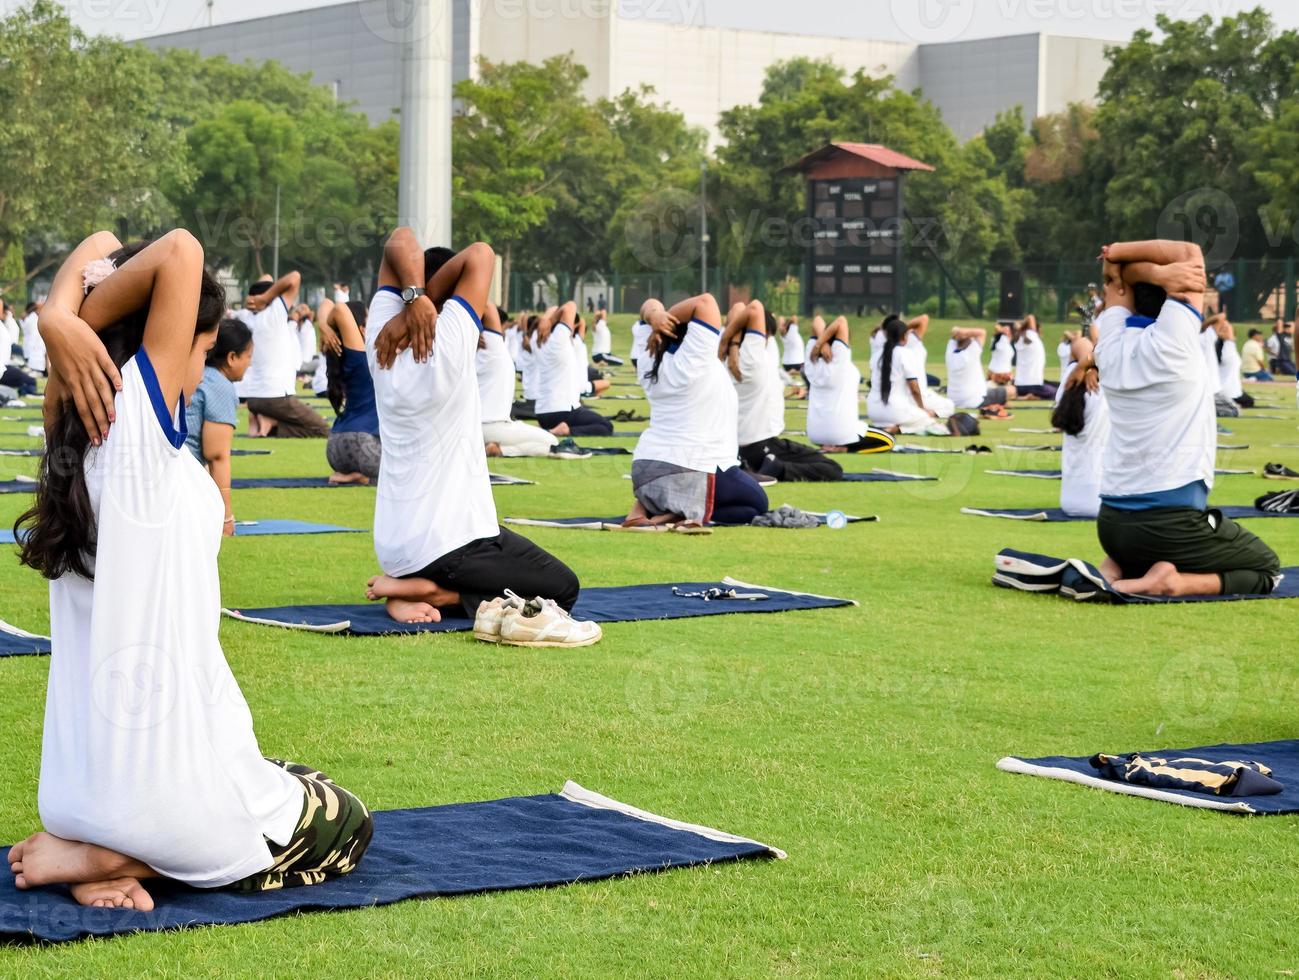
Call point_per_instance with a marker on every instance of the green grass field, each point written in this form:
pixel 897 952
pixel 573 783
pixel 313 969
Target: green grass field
pixel 862 741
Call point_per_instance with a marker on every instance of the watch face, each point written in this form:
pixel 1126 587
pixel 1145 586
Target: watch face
pixel 408 294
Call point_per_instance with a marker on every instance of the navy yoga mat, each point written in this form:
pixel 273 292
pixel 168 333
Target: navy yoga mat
pixel 1281 757
pixel 621 604
pixel 249 529
pixel 458 849
pixel 16 643
pixel 266 483
pixel 1053 515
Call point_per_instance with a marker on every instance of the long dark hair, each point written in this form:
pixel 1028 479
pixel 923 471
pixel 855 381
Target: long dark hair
pixel 1070 415
pixel 60 525
pixel 895 334
pixel 334 390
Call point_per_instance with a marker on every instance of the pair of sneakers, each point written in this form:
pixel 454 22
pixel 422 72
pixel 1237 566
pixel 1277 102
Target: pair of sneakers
pixel 1070 577
pixel 518 622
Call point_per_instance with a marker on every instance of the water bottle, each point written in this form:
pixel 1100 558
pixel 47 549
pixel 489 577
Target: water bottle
pixel 836 519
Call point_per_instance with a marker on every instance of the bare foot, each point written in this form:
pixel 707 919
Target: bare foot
pixel 411 590
pixel 387 587
pixel 561 430
pixel 117 893
pixel 834 449
pixel 494 449
pixel 406 611
pixel 1160 580
pixel 43 859
pixel 338 479
pixel 1110 570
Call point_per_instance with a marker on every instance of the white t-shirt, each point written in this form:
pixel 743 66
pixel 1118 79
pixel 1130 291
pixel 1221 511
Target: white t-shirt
pixel 148 746
pixel 8 330
pixel 1030 360
pixel 434 491
pixel 792 346
pixel 901 408
pixel 640 334
pixel 602 340
pixel 967 385
pixel 1064 354
pixel 495 378
pixel 33 343
pixel 514 342
pixel 276 352
pixel 556 383
pixel 581 360
pixel 693 406
pixel 832 418
pixel 1164 433
pixel 761 392
pixel 1209 348
pixel 307 339
pixel 1001 357
pixel 1082 459
pixel 527 364
pixel 1229 379
pixel 878 339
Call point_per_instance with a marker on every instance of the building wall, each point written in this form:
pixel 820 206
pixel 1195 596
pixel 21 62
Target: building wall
pixel 702 71
pixel 508 34
pixel 971 81
pixel 1072 71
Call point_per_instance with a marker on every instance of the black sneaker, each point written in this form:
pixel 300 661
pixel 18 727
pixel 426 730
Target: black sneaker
pixel 771 467
pixel 1279 471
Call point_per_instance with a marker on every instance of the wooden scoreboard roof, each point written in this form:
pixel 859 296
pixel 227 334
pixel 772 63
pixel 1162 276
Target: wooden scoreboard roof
pixel 872 155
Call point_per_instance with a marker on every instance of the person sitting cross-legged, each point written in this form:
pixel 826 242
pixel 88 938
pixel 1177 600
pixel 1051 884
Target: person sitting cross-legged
pixel 1155 525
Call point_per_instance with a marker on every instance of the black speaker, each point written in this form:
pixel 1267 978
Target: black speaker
pixel 1011 306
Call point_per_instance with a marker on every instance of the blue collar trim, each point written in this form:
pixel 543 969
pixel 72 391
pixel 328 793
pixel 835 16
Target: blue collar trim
pixel 1198 315
pixel 390 289
pixel 707 326
pixel 151 385
pixel 468 309
pixel 841 342
pixel 754 333
pixel 1140 322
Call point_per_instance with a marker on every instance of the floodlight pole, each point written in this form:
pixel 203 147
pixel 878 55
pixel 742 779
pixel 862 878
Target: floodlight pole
pixel 424 187
pixel 703 226
pixel 275 253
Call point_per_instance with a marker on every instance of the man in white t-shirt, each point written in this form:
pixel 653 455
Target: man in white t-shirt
pixel 33 345
pixel 967 384
pixel 753 356
pixel 270 383
pixel 602 340
pixel 1159 535
pixel 559 409
pixel 1030 362
pixel 435 530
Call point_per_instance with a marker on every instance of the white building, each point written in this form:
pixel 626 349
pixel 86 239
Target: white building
pixel 355 49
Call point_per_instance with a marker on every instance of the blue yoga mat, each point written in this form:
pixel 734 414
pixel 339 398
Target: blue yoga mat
pixel 885 476
pixel 17 486
pixel 255 528
pixel 621 604
pixel 250 452
pixel 16 643
pixel 459 849
pixel 1281 757
pixel 265 483
pixel 1053 515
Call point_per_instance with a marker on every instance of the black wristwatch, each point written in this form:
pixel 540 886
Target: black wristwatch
pixel 411 293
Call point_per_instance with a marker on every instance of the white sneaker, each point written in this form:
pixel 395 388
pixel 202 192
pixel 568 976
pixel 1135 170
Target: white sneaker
pixel 487 621
pixel 542 623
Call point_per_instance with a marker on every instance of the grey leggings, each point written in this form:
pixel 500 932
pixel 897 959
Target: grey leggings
pixel 353 452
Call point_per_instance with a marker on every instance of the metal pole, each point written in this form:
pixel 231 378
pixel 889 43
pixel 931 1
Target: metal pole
pixel 275 255
pixel 703 226
pixel 424 186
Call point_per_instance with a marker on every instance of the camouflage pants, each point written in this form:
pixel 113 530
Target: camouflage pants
pixel 332 834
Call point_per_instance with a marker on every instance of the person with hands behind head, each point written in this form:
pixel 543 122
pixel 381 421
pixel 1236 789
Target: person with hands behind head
pixel 833 422
pixel 353 450
pixel 685 469
pixel 127 530
pixel 1083 416
pixel 559 408
pixel 1155 525
pixel 435 530
pixel 213 410
pixel 503 435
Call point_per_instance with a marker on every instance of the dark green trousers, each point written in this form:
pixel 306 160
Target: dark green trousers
pixel 1193 540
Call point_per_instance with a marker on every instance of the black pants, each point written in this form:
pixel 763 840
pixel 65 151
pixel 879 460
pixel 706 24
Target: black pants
pixel 19 380
pixel 1195 541
pixel 737 498
pixel 796 462
pixel 483 569
pixel 525 408
pixel 581 422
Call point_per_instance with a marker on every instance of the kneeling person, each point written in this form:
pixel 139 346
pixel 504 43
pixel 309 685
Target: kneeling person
pixel 435 530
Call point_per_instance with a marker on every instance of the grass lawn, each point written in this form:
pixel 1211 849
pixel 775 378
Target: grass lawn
pixel 862 741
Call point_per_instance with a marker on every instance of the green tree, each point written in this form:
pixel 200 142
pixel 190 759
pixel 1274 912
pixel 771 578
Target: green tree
pixel 84 143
